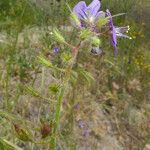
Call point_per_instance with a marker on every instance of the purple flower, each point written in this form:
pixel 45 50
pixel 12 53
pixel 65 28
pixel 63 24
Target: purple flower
pixel 55 50
pixel 88 14
pixel 97 51
pixel 83 148
pixel 85 132
pixel 116 31
pixel 81 124
pixel 120 31
pixel 76 106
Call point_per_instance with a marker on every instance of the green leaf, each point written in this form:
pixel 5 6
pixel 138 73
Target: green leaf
pixel 65 57
pixel 54 88
pixel 6 145
pixel 35 93
pixel 32 91
pixel 74 76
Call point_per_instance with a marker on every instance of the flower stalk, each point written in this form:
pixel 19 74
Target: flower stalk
pixel 61 95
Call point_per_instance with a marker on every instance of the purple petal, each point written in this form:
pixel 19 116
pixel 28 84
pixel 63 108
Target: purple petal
pixel 83 148
pixel 122 29
pixel 114 37
pixel 97 30
pixel 94 7
pixel 83 24
pixel 114 40
pixel 76 106
pixel 85 132
pixel 80 10
pixel 55 50
pixel 120 32
pixel 113 31
pixel 108 14
pixel 123 35
pixel 81 124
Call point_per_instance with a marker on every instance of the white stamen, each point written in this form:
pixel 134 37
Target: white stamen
pixel 51 33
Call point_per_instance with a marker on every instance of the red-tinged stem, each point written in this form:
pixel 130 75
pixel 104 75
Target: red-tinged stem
pixel 61 95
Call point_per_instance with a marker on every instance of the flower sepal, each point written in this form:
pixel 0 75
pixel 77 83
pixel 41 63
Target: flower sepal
pixel 102 21
pixel 95 41
pixel 57 36
pixel 85 34
pixel 75 20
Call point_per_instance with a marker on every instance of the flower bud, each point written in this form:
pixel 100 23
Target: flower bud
pixel 85 34
pixel 75 19
pixel 22 133
pixel 45 130
pixel 57 35
pixel 95 41
pixel 55 50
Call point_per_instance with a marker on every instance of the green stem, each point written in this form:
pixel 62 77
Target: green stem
pixel 57 117
pixel 7 85
pixel 61 95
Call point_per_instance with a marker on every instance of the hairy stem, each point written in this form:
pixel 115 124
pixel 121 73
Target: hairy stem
pixel 60 97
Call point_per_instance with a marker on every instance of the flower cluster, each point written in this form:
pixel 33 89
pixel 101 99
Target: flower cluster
pixel 96 23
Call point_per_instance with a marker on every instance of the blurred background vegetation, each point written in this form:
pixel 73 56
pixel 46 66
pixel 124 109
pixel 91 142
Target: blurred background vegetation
pixel 121 86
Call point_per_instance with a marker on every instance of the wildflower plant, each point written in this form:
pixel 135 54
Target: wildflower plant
pixel 92 25
pixel 48 97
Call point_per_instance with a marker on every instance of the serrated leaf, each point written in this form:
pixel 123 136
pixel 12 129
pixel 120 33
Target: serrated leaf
pixel 6 145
